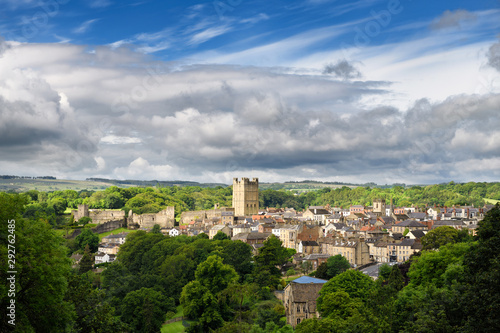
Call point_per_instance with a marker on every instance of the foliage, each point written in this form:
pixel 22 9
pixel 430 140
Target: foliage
pixel 438 237
pixel 87 237
pixel 84 220
pixel 42 269
pixel 86 262
pixel 384 271
pixel 221 236
pixel 271 255
pixel 144 310
pixel 336 265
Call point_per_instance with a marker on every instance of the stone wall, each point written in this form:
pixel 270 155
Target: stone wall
pixel 187 217
pixel 98 216
pixel 164 218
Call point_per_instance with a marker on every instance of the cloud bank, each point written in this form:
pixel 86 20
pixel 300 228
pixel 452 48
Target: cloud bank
pixel 101 112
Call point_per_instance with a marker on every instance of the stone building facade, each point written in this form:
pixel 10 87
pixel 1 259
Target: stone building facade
pixel 98 216
pixel 299 299
pixel 224 214
pixel 245 196
pixel 164 218
pixel 355 250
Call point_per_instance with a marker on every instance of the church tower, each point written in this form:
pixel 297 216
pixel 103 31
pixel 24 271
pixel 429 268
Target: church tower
pixel 245 196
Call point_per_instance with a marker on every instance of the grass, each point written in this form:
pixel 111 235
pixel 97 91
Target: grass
pixel 491 201
pixel 176 327
pixel 179 313
pixel 114 232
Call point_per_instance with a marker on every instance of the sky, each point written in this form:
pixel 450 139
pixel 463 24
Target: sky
pixel 392 91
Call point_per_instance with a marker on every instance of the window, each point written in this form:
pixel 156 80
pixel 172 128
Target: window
pixel 298 321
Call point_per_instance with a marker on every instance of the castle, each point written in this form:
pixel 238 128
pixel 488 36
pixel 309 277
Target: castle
pixel 245 196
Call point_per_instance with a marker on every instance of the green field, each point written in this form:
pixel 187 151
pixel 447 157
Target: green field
pixel 47 185
pixel 491 201
pixel 176 327
pixel 114 232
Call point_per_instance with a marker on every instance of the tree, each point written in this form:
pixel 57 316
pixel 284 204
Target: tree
pixel 438 237
pixel 384 271
pixel 353 282
pixel 42 270
pixel 215 275
pixel 144 310
pixel 239 255
pixel 93 314
pixel 221 236
pixel 271 256
pixel 156 229
pixel 322 271
pixel 87 237
pixel 481 295
pixel 86 262
pixel 84 220
pixel 336 265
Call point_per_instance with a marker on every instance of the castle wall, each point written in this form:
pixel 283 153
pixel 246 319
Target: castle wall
pixel 164 218
pixel 98 216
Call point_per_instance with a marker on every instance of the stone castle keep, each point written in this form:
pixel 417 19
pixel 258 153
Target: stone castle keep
pixel 245 196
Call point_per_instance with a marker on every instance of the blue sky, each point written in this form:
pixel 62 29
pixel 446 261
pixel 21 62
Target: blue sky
pixel 383 91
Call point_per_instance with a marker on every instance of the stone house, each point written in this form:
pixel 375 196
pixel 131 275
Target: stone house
pixel 115 239
pixel 299 299
pixel 288 235
pixel 308 247
pixel 355 250
pixel 408 224
pixel 108 248
pixel 318 214
pixel 219 227
pixel 101 257
pixel 401 251
pixel 252 237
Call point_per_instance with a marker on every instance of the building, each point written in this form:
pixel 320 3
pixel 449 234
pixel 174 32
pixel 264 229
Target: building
pixel 245 196
pixel 299 299
pixel 408 224
pixel 355 250
pixel 101 257
pixel 164 218
pixel 115 239
pixel 379 207
pixel 219 228
pixel 252 237
pixel 98 216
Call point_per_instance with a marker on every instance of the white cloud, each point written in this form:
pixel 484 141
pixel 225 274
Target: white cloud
pixel 85 26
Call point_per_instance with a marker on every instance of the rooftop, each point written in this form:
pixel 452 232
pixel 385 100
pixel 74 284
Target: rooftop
pixel 308 279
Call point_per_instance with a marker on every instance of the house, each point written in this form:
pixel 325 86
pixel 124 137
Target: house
pixel 288 235
pixel 355 250
pixel 316 259
pixel 401 251
pixel 266 227
pixel 219 227
pixel 75 257
pixel 108 248
pixel 357 209
pixel 101 257
pixel 299 299
pixel 252 237
pixel 408 224
pixel 174 232
pixel 240 228
pixel 318 214
pixel 115 239
pixel 308 247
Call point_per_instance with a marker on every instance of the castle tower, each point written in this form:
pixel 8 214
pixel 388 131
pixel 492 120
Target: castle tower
pixel 83 211
pixel 245 196
pixel 379 207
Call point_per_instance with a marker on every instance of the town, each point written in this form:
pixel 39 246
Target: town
pixel 365 236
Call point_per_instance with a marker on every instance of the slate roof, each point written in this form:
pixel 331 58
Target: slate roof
pixel 308 279
pixel 409 223
pixel 310 243
pixel 418 233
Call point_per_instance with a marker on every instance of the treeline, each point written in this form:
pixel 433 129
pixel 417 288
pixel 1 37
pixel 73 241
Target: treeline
pixel 52 205
pixel 451 287
pixel 26 177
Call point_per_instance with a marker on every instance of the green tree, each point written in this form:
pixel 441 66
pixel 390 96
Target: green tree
pixel 42 270
pixel 87 237
pixel 353 282
pixel 93 314
pixel 86 262
pixel 84 220
pixel 271 256
pixel 322 271
pixel 215 275
pixel 481 294
pixel 221 236
pixel 384 271
pixel 438 237
pixel 156 229
pixel 144 310
pixel 337 264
